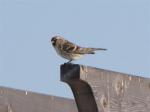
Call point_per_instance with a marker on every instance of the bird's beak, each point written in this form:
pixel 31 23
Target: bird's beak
pixel 53 42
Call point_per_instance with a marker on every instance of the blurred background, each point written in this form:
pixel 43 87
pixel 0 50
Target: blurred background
pixel 29 62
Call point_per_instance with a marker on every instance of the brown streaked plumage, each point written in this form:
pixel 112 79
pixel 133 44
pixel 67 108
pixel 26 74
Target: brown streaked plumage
pixel 69 50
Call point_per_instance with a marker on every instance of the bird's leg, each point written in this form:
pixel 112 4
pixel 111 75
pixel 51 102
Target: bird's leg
pixel 69 61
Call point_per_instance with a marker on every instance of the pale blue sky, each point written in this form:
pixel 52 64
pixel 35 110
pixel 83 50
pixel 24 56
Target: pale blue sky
pixel 28 61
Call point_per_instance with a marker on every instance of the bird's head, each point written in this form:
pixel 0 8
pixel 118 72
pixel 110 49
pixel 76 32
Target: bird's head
pixel 55 40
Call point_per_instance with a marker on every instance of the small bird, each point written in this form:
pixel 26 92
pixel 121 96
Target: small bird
pixel 69 50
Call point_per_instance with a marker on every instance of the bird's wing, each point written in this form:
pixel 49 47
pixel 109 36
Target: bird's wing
pixel 70 47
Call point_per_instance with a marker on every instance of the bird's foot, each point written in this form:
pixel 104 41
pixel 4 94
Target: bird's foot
pixel 69 62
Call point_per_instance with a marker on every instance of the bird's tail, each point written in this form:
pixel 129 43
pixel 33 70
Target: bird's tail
pixel 95 49
pixel 90 50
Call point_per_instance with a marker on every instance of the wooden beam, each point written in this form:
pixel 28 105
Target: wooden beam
pixel 99 90
pixel 12 100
